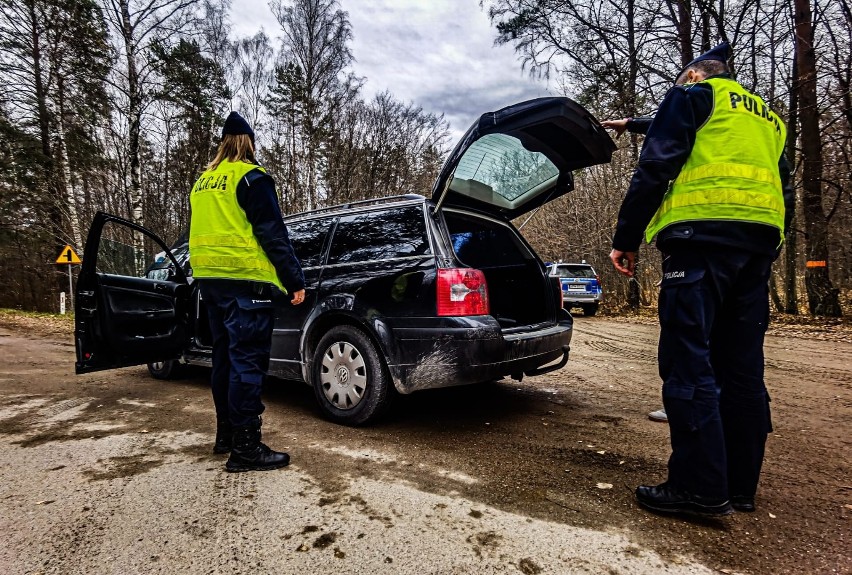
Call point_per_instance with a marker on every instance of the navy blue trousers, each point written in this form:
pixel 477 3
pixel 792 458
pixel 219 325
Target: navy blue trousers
pixel 714 310
pixel 241 318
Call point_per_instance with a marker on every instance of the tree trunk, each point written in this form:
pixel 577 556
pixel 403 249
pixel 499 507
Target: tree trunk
pixel 54 215
pixel 65 169
pixel 773 293
pixel 634 295
pixel 792 241
pixel 134 116
pixel 822 296
pixel 684 31
pixel 40 90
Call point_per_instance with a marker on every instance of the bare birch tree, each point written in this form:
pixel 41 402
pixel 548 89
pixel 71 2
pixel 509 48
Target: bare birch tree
pixel 141 24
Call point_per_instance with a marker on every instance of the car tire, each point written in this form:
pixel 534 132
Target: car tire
pixel 350 380
pixel 590 309
pixel 168 369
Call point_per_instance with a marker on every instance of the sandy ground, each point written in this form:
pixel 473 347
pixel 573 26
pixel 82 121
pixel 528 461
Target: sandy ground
pixel 112 472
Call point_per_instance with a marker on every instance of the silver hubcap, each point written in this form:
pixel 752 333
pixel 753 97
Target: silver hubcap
pixel 158 365
pixel 343 376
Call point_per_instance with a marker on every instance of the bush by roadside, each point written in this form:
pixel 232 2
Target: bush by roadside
pixel 822 328
pixel 50 324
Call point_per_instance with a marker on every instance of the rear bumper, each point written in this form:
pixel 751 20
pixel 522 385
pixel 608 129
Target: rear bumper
pixel 460 351
pixel 581 297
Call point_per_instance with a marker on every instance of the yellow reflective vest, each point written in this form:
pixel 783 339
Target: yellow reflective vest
pixel 732 172
pixel 221 241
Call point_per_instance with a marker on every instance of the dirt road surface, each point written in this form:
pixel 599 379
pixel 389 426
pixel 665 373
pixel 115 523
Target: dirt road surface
pixel 113 472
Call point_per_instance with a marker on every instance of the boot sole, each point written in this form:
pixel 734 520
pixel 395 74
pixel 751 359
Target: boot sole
pixel 232 468
pixel 690 509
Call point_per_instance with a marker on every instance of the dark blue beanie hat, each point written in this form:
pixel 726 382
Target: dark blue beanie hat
pixel 235 125
pixel 720 53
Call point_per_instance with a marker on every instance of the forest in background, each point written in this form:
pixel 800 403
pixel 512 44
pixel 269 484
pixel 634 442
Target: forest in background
pixel 116 106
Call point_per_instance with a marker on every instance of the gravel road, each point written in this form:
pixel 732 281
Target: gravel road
pixel 113 472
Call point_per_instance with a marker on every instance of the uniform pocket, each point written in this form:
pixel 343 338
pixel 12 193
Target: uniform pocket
pixel 681 296
pixel 255 302
pixel 256 314
pixel 683 330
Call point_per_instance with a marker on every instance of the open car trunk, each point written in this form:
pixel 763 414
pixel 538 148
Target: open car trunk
pixel 517 159
pixel 519 292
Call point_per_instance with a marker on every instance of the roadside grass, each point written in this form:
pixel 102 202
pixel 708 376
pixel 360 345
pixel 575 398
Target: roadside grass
pixel 39 322
pixel 801 325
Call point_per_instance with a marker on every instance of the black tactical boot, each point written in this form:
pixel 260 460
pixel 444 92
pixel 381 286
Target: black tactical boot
pixel 224 438
pixel 249 454
pixel 743 503
pixel 666 499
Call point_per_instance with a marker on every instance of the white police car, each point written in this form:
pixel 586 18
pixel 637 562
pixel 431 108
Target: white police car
pixel 581 285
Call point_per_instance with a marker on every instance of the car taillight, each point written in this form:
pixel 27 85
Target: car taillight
pixel 462 291
pixel 559 289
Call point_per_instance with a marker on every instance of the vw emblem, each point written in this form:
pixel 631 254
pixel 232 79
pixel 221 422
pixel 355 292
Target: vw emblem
pixel 342 375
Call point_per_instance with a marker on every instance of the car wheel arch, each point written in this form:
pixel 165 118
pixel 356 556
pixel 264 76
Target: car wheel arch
pixel 321 324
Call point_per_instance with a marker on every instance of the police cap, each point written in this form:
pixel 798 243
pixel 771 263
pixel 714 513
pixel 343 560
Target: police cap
pixel 720 53
pixel 235 125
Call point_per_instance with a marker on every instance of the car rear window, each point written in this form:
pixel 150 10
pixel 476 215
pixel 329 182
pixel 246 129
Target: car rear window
pixel 575 272
pixel 501 164
pixel 380 235
pixel 308 239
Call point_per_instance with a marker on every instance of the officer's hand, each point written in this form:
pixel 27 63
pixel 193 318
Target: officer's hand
pixel 618 258
pixel 618 125
pixel 298 297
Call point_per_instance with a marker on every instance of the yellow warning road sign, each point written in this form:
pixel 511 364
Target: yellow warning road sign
pixel 68 256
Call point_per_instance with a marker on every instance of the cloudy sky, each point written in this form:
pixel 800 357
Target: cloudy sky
pixel 439 54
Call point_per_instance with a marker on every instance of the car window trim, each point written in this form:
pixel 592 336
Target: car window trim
pixel 427 221
pixel 365 262
pixel 299 218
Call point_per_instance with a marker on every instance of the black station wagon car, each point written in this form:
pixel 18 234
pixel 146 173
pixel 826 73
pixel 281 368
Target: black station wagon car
pixel 402 294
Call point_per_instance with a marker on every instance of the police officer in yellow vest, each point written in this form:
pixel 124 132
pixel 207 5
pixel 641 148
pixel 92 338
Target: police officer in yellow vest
pixel 242 258
pixel 712 187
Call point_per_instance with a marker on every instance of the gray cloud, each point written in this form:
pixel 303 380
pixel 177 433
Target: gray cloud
pixel 438 54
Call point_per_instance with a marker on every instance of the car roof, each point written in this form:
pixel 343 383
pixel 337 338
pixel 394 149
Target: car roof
pixel 358 206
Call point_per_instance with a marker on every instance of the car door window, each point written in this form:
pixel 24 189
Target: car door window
pixel 380 235
pixel 308 239
pixel 123 251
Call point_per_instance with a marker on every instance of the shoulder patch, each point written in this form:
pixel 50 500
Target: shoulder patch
pixel 254 176
pixel 702 85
